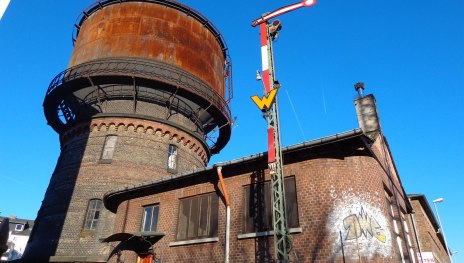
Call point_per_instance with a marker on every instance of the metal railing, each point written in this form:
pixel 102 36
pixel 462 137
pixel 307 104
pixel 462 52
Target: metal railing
pixel 155 96
pixel 142 69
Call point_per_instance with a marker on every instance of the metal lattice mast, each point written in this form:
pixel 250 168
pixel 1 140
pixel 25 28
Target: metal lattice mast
pixel 268 32
pixel 279 217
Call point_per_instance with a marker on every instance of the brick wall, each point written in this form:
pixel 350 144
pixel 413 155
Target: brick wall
pixel 427 236
pixel 339 189
pixel 140 155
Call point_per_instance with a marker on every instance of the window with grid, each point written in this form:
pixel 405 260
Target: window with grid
pixel 150 218
pixel 172 158
pixel 93 214
pixel 108 148
pixel 198 217
pixel 258 206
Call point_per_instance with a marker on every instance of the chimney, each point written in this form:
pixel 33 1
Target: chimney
pixel 366 111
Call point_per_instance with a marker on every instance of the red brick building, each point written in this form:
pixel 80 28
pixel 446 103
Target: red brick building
pixel 134 111
pixel 428 238
pixel 345 202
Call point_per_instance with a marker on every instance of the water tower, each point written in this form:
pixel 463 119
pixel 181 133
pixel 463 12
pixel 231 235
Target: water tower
pixel 145 95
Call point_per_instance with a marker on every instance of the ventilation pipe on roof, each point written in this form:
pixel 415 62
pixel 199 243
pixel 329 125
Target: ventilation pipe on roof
pixel 226 197
pixel 359 87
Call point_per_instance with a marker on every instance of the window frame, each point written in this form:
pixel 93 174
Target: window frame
pixel 143 223
pixel 396 232
pixel 212 218
pixel 172 159
pixel 108 148
pixel 95 211
pixel 293 206
pixel 21 227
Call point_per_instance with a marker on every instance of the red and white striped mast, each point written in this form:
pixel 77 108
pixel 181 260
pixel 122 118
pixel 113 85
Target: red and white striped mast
pixel 268 32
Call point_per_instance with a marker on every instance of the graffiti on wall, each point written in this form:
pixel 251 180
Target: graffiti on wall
pixel 356 225
pixel 362 224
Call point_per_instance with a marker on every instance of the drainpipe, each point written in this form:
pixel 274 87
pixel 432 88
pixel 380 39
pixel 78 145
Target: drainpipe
pixel 226 197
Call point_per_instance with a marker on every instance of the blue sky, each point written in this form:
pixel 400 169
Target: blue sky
pixel 410 54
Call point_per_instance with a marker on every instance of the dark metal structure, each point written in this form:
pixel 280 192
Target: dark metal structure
pixel 4 233
pixel 141 243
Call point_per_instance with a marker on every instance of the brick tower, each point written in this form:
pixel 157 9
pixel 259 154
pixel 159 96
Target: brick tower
pixel 145 95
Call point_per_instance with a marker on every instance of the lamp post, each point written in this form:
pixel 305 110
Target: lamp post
pixel 440 200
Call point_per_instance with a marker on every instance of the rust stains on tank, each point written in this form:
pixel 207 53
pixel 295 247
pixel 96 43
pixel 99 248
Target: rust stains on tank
pixel 152 31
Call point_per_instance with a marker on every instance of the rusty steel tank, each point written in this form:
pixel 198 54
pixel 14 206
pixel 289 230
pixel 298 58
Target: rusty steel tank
pixel 147 80
pixel 156 52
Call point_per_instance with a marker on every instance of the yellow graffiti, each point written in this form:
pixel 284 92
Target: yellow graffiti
pixel 363 224
pixel 266 101
pixel 352 226
pixel 379 233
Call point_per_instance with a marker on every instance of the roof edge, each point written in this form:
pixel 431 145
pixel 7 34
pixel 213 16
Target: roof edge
pixel 429 213
pixel 113 198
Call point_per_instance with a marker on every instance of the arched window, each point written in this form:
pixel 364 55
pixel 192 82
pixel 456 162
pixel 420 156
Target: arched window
pixel 93 214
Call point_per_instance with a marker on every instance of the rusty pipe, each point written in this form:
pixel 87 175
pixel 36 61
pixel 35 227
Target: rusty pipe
pixel 227 200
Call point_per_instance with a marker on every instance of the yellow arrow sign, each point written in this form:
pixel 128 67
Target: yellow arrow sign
pixel 266 101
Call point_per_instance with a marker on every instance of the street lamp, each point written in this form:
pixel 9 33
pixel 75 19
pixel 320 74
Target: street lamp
pixel 440 200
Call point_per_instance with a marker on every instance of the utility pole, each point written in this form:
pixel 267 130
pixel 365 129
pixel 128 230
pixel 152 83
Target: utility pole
pixel 269 32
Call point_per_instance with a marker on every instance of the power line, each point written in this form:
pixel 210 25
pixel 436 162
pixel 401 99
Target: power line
pixel 296 116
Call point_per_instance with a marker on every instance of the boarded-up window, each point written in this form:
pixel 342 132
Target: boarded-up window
pixel 108 148
pixel 258 206
pixel 150 218
pixel 93 214
pixel 198 217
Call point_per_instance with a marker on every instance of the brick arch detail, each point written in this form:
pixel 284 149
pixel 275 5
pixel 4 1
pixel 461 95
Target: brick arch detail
pixel 146 127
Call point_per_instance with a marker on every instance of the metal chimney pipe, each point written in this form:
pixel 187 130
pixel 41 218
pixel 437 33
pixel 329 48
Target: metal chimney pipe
pixel 359 87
